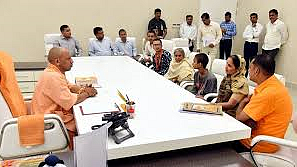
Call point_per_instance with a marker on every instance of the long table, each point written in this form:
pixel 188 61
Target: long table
pixel 158 124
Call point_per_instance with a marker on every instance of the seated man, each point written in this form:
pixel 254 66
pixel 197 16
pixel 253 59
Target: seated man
pixel 54 94
pixel 124 46
pixel 101 46
pixel 161 58
pixel 148 48
pixel 269 108
pixel 204 81
pixel 69 42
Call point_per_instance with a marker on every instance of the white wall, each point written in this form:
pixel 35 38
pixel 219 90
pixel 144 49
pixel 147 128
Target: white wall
pixel 23 23
pixel 286 59
pixel 217 9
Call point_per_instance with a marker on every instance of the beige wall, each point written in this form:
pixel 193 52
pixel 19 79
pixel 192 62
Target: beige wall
pixel 287 12
pixel 23 23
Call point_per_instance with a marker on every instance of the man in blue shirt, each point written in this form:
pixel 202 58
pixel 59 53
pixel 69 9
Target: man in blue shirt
pixel 101 46
pixel 67 41
pixel 124 46
pixel 228 31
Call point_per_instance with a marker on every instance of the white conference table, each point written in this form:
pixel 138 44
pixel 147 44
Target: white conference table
pixel 158 124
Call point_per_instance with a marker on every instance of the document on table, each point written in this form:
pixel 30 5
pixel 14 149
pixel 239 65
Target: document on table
pixel 102 103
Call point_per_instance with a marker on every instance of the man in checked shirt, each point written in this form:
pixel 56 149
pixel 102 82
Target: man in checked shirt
pixel 228 28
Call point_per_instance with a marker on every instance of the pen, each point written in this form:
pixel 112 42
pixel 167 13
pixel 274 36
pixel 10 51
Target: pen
pixel 117 106
pixel 128 98
pixel 81 110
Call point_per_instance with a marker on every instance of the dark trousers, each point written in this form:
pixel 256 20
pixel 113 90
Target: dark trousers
pixel 271 53
pixel 250 51
pixel 238 147
pixel 191 48
pixel 225 48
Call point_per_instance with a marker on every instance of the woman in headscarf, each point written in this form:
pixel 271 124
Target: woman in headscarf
pixel 234 85
pixel 180 69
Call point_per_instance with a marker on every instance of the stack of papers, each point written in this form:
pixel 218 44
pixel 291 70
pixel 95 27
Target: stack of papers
pixel 203 108
pixel 86 81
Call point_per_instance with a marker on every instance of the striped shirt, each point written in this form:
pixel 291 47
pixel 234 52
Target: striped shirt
pixel 230 29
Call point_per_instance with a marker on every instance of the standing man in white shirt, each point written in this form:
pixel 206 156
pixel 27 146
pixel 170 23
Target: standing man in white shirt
pixel 124 46
pixel 188 30
pixel 69 42
pixel 101 46
pixel 276 34
pixel 208 37
pixel 251 35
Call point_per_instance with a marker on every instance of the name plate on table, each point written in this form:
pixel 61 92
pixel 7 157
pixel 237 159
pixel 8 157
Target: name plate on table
pixel 86 81
pixel 202 108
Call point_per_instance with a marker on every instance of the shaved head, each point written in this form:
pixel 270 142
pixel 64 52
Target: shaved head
pixel 60 58
pixel 54 54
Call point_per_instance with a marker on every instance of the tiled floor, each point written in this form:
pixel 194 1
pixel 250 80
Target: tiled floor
pixel 291 135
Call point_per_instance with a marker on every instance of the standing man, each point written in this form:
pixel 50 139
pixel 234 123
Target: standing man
pixel 276 34
pixel 68 42
pixel 208 37
pixel 228 31
pixel 158 25
pixel 101 46
pixel 269 109
pixel 188 30
pixel 251 35
pixel 161 58
pixel 124 46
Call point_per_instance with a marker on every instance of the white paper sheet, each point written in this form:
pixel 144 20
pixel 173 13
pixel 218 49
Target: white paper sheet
pixel 208 39
pixel 101 103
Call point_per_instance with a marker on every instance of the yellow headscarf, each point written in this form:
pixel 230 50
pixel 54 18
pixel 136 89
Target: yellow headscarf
pixel 239 82
pixel 182 70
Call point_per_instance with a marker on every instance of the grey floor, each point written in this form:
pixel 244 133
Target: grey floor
pixel 291 135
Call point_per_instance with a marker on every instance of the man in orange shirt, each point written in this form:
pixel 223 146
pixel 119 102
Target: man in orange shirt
pixel 270 107
pixel 55 95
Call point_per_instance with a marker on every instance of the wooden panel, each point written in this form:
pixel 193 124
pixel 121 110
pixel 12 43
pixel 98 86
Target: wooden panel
pixel 26 87
pixel 24 76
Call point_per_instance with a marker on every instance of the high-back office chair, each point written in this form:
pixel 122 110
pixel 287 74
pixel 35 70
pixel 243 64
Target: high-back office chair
pixel 285 156
pixel 55 134
pixel 167 45
pixel 218 69
pixel 180 42
pixel 49 41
